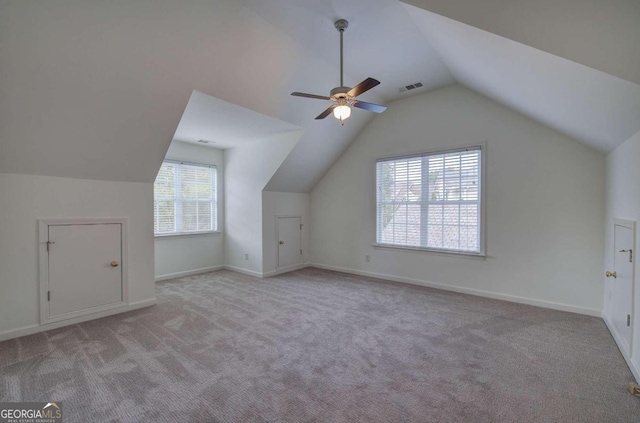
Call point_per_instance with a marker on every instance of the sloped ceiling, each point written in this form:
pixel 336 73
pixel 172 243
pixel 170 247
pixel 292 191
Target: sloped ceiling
pixel 380 42
pixel 225 125
pixel 96 89
pixel 588 105
pixel 601 34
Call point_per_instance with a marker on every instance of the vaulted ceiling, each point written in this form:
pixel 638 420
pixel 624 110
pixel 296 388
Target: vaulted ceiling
pixel 601 34
pixel 97 89
pixel 586 104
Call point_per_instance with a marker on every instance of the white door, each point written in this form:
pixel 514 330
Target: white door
pixel 84 268
pixel 289 241
pixel 620 283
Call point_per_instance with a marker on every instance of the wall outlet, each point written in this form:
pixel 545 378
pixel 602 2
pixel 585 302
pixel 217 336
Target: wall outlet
pixel 367 259
pixel 246 256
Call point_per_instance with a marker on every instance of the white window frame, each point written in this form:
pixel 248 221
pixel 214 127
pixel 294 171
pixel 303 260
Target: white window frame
pixel 481 255
pixel 215 200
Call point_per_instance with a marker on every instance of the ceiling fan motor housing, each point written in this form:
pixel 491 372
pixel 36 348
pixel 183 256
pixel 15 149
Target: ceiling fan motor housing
pixel 341 24
pixel 340 92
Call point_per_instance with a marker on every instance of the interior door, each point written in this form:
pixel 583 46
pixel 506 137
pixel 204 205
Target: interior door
pixel 620 281
pixel 289 241
pixel 84 267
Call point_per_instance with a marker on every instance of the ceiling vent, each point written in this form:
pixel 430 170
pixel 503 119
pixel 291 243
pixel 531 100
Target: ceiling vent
pixel 410 87
pixel 204 141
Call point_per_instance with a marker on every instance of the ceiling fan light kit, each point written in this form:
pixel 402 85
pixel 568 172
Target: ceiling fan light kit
pixel 344 97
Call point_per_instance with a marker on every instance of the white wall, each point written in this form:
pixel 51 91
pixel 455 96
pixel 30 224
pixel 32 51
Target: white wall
pixel 26 198
pixel 279 204
pixel 545 204
pixel 248 168
pixel 177 256
pixel 623 201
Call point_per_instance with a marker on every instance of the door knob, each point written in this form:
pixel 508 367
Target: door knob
pixel 613 275
pixel 281 242
pixel 115 264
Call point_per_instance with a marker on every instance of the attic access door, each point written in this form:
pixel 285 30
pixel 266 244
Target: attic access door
pixel 82 268
pixel 289 241
pixel 619 285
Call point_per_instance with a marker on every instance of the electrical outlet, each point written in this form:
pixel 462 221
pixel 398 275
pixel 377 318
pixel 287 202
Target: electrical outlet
pixel 246 256
pixel 367 259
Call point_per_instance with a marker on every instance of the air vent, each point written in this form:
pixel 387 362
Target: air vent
pixel 410 87
pixel 204 142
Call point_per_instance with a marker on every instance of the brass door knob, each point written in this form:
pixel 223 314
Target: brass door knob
pixel 613 275
pixel 281 242
pixel 115 264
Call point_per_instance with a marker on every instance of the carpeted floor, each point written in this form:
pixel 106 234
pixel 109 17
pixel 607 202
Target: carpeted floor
pixel 320 346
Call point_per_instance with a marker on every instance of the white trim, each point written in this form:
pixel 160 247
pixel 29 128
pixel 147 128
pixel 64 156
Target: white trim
pixel 436 150
pixel 84 312
pixel 177 234
pixel 240 270
pixel 449 253
pixel 176 199
pixel 631 224
pixel 43 237
pixel 482 147
pixel 626 350
pixel 188 273
pixel 615 333
pixel 463 290
pixel 244 271
pixel 616 337
pixel 35 328
pixel 285 216
pixel 188 163
pixel 635 369
pixel 286 269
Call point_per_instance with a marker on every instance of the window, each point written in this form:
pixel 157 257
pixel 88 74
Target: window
pixel 185 199
pixel 431 201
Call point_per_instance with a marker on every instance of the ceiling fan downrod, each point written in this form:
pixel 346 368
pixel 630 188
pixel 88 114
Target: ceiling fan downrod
pixel 341 25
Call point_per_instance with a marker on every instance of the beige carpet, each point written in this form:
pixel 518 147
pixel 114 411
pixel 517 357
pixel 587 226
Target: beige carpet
pixel 319 346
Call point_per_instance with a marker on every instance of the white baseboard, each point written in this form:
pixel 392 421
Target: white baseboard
pixel 635 369
pixel 233 269
pixel 245 271
pixel 35 328
pixel 614 333
pixel 463 290
pixel 188 273
pixel 286 269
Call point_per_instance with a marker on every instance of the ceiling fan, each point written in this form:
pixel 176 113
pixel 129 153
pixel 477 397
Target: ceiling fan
pixel 345 96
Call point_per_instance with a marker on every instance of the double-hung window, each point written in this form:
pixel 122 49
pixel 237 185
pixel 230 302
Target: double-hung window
pixel 185 199
pixel 431 201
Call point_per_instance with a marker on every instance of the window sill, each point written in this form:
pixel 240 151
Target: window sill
pixel 185 234
pixel 459 254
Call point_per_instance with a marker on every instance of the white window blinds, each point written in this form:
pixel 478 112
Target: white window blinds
pixel 431 201
pixel 185 199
